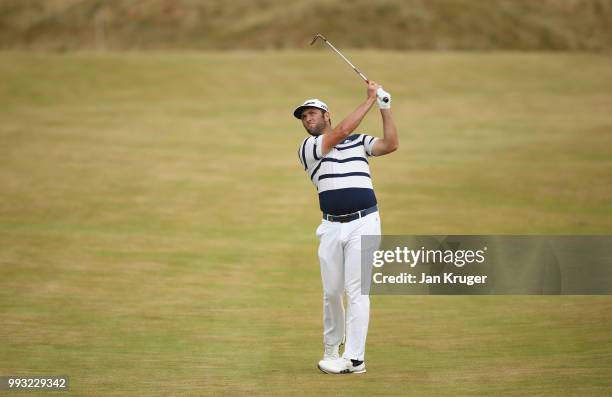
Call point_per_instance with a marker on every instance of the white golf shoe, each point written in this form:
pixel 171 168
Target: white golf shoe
pixel 331 353
pixel 342 366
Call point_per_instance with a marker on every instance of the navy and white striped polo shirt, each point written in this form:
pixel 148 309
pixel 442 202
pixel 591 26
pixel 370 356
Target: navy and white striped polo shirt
pixel 342 177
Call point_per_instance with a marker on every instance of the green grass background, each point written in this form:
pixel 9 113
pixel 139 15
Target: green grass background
pixel 157 232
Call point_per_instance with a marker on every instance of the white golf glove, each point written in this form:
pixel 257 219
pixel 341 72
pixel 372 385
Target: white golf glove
pixel 380 94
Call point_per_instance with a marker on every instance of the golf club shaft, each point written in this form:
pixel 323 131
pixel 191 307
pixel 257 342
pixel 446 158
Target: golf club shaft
pixel 384 99
pixel 347 61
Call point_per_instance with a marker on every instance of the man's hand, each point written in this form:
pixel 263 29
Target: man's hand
pixel 380 94
pixel 372 89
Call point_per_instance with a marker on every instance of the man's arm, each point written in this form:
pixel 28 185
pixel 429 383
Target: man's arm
pixel 352 121
pixel 390 142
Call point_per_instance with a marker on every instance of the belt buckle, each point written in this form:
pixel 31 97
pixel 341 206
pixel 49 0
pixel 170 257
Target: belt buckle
pixel 349 217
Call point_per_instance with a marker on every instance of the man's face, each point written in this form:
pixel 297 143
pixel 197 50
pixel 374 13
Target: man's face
pixel 314 120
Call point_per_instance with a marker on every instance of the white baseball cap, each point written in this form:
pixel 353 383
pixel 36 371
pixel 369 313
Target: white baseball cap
pixel 309 103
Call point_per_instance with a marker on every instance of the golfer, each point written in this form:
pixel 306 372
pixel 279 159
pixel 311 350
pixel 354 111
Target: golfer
pixel 337 163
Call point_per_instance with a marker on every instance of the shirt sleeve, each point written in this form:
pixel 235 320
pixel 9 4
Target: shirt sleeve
pixel 310 151
pixel 368 143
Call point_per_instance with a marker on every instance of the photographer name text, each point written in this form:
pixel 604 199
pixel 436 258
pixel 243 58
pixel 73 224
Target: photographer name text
pixel 445 278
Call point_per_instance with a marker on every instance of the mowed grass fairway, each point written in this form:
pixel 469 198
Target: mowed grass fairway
pixel 157 232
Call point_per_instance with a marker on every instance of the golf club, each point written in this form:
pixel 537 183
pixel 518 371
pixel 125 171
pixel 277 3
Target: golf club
pixel 320 36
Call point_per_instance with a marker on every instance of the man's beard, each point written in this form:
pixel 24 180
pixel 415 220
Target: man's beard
pixel 316 129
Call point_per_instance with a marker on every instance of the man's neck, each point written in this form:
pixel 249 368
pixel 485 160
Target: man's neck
pixel 327 130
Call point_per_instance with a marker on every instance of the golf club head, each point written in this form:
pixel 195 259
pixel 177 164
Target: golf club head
pixel 316 36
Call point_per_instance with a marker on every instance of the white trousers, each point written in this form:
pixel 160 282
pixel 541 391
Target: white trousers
pixel 340 258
